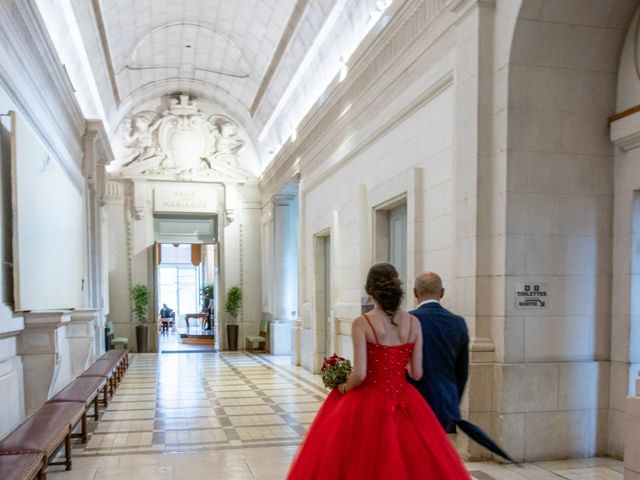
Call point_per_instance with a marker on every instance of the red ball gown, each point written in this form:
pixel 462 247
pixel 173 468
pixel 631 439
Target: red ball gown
pixel 383 429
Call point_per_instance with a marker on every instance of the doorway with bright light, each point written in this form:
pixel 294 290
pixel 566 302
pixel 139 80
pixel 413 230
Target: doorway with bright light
pixel 186 275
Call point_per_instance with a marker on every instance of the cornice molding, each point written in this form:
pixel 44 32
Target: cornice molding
pixel 115 189
pixel 34 78
pixel 460 6
pixel 388 52
pixel 625 132
pixel 435 89
pixel 96 131
pixel 292 25
pixel 106 51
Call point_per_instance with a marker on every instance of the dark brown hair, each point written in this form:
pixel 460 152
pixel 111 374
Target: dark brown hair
pixel 385 287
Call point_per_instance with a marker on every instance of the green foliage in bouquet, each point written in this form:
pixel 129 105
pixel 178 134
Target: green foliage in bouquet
pixel 335 370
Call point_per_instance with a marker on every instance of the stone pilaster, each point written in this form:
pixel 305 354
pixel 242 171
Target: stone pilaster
pixel 284 292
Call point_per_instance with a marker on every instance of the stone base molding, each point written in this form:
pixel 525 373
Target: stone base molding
pixel 632 436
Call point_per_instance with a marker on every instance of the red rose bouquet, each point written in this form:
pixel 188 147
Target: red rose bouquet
pixel 335 370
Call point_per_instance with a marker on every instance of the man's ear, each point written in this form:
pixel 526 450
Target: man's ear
pixel 441 292
pixel 415 294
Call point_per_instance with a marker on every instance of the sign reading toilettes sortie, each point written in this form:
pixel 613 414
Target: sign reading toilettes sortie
pixel 531 295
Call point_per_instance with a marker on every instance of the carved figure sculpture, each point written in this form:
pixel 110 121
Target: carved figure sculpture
pixel 140 140
pixel 181 143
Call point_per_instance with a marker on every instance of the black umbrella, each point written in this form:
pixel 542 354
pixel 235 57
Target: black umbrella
pixel 476 434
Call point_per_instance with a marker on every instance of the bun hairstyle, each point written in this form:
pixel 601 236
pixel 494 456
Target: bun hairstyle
pixel 385 287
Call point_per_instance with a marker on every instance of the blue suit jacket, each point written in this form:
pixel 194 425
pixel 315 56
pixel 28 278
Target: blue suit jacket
pixel 445 358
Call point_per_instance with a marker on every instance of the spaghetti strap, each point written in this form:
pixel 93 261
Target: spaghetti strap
pixel 372 329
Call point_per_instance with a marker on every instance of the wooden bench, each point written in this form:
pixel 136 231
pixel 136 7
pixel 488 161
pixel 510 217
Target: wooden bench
pixel 24 466
pixel 120 355
pixel 107 369
pixel 85 391
pixel 44 432
pixel 26 452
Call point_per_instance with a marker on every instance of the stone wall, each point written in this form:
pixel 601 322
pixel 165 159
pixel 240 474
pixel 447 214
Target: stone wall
pixel 517 95
pixel 41 352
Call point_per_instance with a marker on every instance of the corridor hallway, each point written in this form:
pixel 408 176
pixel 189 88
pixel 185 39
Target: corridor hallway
pixel 230 416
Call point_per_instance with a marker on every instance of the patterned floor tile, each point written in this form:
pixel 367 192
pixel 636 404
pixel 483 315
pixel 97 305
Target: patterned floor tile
pixel 237 415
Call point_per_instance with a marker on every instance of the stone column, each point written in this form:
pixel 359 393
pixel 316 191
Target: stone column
pixel 284 291
pixel 45 356
pixel 475 197
pixel 97 155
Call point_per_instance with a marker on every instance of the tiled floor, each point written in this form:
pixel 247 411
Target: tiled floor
pixel 233 416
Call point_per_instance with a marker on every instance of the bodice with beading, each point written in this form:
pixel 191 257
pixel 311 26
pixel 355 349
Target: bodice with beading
pixel 386 367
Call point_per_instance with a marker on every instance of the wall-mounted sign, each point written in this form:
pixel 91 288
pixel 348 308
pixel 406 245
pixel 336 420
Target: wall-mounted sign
pixel 532 295
pixel 184 198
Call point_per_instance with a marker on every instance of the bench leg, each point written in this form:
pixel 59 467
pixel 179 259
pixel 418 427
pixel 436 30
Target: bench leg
pixel 67 452
pixel 96 408
pixel 105 392
pixel 84 427
pixel 42 473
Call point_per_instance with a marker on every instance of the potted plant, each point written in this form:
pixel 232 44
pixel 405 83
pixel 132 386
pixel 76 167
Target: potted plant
pixel 232 307
pixel 140 294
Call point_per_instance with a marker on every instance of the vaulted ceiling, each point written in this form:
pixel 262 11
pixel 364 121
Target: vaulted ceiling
pixel 263 61
pixel 219 50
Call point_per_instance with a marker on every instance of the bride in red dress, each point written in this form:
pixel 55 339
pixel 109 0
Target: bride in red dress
pixel 377 425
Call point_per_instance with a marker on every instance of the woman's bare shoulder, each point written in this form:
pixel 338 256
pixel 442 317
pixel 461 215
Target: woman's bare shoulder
pixel 359 321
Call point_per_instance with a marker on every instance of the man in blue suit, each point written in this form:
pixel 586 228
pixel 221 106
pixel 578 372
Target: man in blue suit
pixel 445 352
pixel 445 359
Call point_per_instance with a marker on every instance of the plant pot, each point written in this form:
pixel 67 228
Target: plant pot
pixel 232 337
pixel 142 335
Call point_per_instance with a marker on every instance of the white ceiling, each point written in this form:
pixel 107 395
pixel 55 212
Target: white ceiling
pixel 260 60
pixel 220 46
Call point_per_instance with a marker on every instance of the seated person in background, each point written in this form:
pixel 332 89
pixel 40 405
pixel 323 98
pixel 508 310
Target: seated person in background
pixel 167 317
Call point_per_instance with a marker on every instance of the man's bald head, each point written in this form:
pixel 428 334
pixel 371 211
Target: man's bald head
pixel 428 286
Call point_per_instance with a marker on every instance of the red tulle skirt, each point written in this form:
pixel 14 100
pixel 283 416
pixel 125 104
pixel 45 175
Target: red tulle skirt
pixel 368 434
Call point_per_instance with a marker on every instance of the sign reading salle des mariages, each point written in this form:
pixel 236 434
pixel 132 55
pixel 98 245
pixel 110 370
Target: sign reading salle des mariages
pixel 531 296
pixel 191 198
